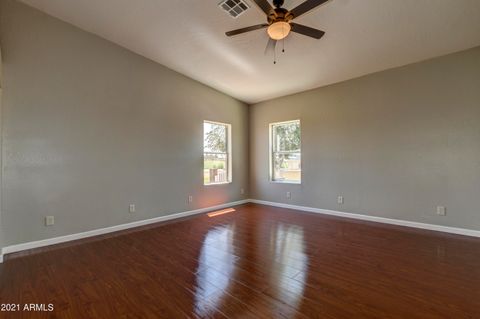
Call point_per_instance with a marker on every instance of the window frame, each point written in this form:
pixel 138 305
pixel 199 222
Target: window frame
pixel 228 154
pixel 272 155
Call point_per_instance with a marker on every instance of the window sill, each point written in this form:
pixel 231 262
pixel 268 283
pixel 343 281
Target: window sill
pixel 286 182
pixel 213 184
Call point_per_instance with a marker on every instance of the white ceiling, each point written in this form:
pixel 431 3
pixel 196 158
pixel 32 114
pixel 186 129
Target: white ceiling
pixel 362 36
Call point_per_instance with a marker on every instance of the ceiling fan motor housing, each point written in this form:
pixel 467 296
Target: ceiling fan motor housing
pixel 279 14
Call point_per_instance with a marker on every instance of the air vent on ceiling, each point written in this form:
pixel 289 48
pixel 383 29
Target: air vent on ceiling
pixel 234 8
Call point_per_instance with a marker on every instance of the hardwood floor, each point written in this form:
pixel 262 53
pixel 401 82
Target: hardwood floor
pixel 256 262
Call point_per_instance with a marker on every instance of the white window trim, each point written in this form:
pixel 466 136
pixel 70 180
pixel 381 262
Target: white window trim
pixel 270 152
pixel 229 153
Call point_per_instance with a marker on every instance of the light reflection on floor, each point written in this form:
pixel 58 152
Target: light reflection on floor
pixel 211 283
pixel 217 264
pixel 287 244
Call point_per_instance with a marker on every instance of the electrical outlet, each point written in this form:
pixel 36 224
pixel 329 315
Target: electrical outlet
pixel 242 191
pixel 441 211
pixel 190 198
pixel 131 208
pixel 49 220
pixel 340 200
pixel 289 195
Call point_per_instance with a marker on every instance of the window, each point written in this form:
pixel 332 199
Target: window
pixel 285 154
pixel 217 159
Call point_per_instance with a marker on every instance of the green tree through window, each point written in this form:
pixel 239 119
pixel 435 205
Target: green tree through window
pixel 216 153
pixel 286 151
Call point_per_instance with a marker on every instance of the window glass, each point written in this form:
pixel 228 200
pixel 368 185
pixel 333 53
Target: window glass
pixel 216 153
pixel 286 152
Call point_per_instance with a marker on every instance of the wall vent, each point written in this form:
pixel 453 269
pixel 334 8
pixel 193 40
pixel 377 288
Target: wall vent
pixel 234 8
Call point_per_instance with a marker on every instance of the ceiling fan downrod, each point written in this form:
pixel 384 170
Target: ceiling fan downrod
pixel 278 3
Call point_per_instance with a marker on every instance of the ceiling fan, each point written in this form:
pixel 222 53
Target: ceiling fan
pixel 279 21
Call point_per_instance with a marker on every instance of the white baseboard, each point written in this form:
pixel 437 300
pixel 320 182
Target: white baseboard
pixel 101 231
pixel 399 222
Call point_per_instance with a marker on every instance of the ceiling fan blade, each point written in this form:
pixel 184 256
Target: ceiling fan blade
pixel 309 32
pixel 247 29
pixel 264 5
pixel 305 7
pixel 271 44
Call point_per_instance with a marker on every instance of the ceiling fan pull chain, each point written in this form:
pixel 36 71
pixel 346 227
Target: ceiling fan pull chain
pixel 283 45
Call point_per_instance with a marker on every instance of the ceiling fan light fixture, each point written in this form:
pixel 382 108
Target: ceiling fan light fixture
pixel 279 30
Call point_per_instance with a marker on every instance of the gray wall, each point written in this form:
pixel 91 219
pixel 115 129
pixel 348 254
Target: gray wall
pixel 395 144
pixel 90 127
